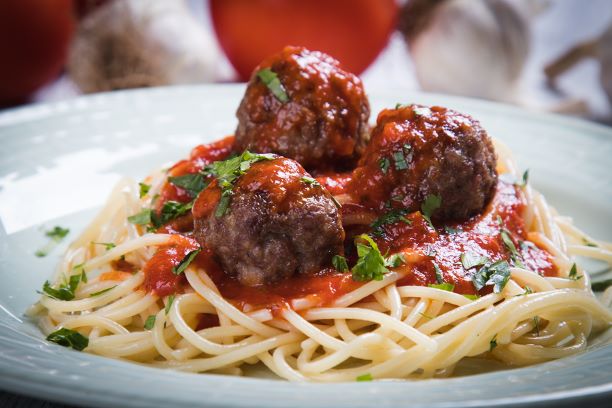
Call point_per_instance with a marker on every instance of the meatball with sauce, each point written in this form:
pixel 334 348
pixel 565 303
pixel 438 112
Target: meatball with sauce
pixel 279 222
pixel 302 105
pixel 416 151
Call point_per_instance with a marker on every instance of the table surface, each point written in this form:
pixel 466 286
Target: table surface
pixel 550 39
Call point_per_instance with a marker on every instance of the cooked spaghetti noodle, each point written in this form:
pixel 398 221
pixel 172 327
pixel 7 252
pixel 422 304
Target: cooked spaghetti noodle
pixel 381 329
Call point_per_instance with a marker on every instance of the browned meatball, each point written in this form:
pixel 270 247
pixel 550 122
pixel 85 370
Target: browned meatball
pixel 322 123
pixel 279 222
pixel 417 151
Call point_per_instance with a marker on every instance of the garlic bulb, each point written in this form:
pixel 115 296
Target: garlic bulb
pixel 467 47
pixel 137 43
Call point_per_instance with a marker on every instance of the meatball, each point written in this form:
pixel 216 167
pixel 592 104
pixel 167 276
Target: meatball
pixel 416 151
pixel 279 222
pixel 322 123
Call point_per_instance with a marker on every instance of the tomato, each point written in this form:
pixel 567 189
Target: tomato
pixel 352 31
pixel 34 40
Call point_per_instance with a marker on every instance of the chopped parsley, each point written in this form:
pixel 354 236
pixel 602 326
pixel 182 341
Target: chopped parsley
pixel 390 217
pixel 81 266
pixel 449 287
pixel 270 79
pixel 573 273
pixel 309 181
pixel 493 343
pixel 439 276
pixel 170 211
pixel 365 377
pixel 472 297
pixel 65 291
pixel 402 157
pixel 103 291
pixel 142 218
pixel 601 285
pixel 470 260
pixel 185 262
pixel 536 325
pixel 169 304
pixel 496 274
pixel 339 262
pixel 69 338
pixel 514 254
pixel 384 164
pixel 144 189
pixel 511 179
pixel 589 243
pixel 432 203
pixel 371 264
pixel 107 245
pixel 191 183
pixel 150 322
pixel 56 235
pixel 228 171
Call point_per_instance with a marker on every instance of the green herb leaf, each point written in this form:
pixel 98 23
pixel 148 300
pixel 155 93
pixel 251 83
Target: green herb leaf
pixel 224 203
pixel 150 322
pixel 56 234
pixel 439 275
pixel 144 189
pixel 402 157
pixel 180 268
pixel 511 179
pixel 536 325
pixel 470 260
pixel 450 230
pixel 496 274
pixel 384 164
pixel 339 262
pixel 142 218
pixel 270 79
pixel 370 264
pixel 83 275
pixel 103 291
pixel 514 255
pixel 573 273
pixel 365 377
pixel 472 297
pixel 170 211
pixel 69 338
pixel 390 217
pixel 493 343
pixel 601 285
pixel 432 203
pixel 589 243
pixel 310 181
pixel 169 304
pixel 395 260
pixel 65 291
pixel 107 245
pixel 449 287
pixel 191 183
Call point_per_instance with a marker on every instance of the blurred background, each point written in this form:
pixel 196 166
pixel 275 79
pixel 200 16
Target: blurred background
pixel 546 55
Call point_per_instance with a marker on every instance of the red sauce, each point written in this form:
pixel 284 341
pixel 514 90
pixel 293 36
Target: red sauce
pixel 443 246
pixel 159 277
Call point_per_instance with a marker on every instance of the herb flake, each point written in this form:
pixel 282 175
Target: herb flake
pixel 339 263
pixel 270 79
pixel 69 338
pixel 429 206
pixel 185 262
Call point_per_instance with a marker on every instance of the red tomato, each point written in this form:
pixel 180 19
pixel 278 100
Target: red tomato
pixel 352 31
pixel 34 39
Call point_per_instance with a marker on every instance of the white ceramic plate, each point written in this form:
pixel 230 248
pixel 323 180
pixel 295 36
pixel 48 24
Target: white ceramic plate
pixel 59 161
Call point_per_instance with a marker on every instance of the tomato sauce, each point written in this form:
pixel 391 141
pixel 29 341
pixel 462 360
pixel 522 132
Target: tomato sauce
pixel 441 247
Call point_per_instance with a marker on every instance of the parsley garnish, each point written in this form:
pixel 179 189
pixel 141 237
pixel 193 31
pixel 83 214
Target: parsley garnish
pixel 470 260
pixel 142 218
pixel 81 266
pixel 510 179
pixel 150 322
pixel 432 203
pixel 390 217
pixel 309 181
pixel 56 234
pixel 384 164
pixel 191 183
pixel 449 287
pixel 601 285
pixel 536 325
pixel 573 273
pixel 103 291
pixel 439 276
pixel 144 189
pixel 365 377
pixel 472 297
pixel 180 268
pixel 589 243
pixel 493 343
pixel 169 304
pixel 402 157
pixel 496 274
pixel 64 291
pixel 69 338
pixel 270 79
pixel 107 245
pixel 170 211
pixel 228 171
pixel 339 262
pixel 514 255
pixel 371 265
